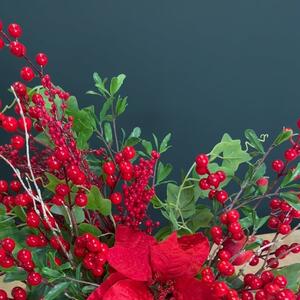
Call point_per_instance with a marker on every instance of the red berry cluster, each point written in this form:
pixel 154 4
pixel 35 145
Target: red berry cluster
pixel 93 252
pixel 266 286
pixel 17 293
pixel 212 181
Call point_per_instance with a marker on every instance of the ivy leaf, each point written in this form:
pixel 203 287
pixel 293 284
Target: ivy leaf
pixel 254 140
pixel 116 83
pixel 201 218
pixel 85 227
pixel 164 144
pixel 53 181
pixel 292 274
pixel 291 176
pixel 97 202
pixel 292 199
pixel 163 171
pixel 231 153
pixel 282 137
pixel 57 290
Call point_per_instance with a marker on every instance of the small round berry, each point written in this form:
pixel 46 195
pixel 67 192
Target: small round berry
pixel 14 30
pixel 220 289
pixel 275 203
pixel 20 89
pixel 260 295
pixel 225 268
pixel 93 245
pixel 267 276
pixel 201 170
pixel 254 261
pixel 3 295
pixel 295 248
pixel 277 165
pixel 7 262
pixel 62 154
pixel 10 124
pixel 281 281
pixel 284 229
pixel 202 160
pixel 27 122
pixel 17 49
pixel 273 263
pixel 62 189
pixel 224 254
pixel 290 154
pixel 17 142
pixel 222 175
pixel 19 293
pixel 109 168
pixel 222 196
pixel 98 271
pixel 116 198
pixel 53 163
pixel 81 199
pixel 256 283
pixel 233 216
pixel 3 186
pixel 32 219
pixel 24 255
pixel 128 152
pixel 8 244
pixel 273 222
pixel 34 278
pixel 126 167
pixel 213 180
pixel 203 184
pixel 27 74
pixel 41 59
pixel 246 295
pixel 216 232
pixel 234 227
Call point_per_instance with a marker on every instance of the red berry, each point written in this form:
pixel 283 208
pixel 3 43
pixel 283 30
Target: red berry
pixel 27 122
pixel 7 262
pixel 17 142
pixel 34 278
pixel 216 232
pixel 24 255
pixel 202 160
pixel 263 181
pixel 2 44
pixel 247 295
pixel 32 240
pixel 220 289
pixel 128 152
pixel 53 163
pixel 10 124
pixel 62 153
pixel 273 263
pixel 116 198
pixel 93 245
pixel 254 261
pixel 224 218
pixel 277 165
pixel 222 196
pixel 273 222
pixel 62 189
pixel 109 168
pixel 275 203
pixel 20 89
pixel 201 170
pixel 212 194
pixel 255 283
pixel 27 74
pixel 225 268
pixel 111 180
pixel 271 288
pixel 234 227
pixel 19 293
pixel 295 248
pixel 32 219
pixel 126 167
pixel 3 295
pixel 260 295
pixel 41 59
pixel 98 271
pixel 290 154
pixel 17 49
pixel 221 175
pixel 8 244
pixel 203 184
pixel 281 281
pixel 267 277
pixel 284 229
pixel 81 199
pixel 14 30
pixel 233 216
pixel 3 186
pixel 213 180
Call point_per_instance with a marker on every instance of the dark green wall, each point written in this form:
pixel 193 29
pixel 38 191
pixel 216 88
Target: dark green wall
pixel 196 68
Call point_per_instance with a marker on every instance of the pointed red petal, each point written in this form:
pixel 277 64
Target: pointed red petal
pixel 98 293
pixel 188 288
pixel 173 257
pixel 130 255
pixel 128 290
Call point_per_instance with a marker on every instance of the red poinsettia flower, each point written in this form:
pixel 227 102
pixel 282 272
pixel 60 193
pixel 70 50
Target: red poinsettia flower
pixel 148 270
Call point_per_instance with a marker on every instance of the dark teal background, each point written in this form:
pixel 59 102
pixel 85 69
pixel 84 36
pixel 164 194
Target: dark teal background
pixel 195 68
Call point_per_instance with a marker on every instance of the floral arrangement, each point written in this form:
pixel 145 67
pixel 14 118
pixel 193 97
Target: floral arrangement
pixel 75 221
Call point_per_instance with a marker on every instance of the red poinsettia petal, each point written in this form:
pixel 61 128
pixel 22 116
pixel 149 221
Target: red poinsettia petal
pixel 128 290
pixel 130 255
pixel 188 288
pixel 173 257
pixel 98 293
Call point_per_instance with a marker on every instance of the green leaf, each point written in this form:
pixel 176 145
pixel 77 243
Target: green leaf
pixel 116 83
pixel 291 176
pixel 88 289
pixel 254 140
pixel 100 84
pixel 57 290
pixel 292 199
pixel 108 132
pixel 163 232
pixel 231 153
pixel 72 104
pixel 148 146
pixel 163 171
pixel 50 273
pixel 254 245
pixel 93 93
pixel 282 137
pixel 132 141
pixel 292 274
pixel 18 275
pixel 65 266
pixel 201 218
pixel 19 211
pixel 85 227
pixel 105 108
pixel 2 210
pixel 78 213
pixel 97 202
pixel 136 132
pixel 121 105
pixel 164 144
pixel 53 181
pixel 43 139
